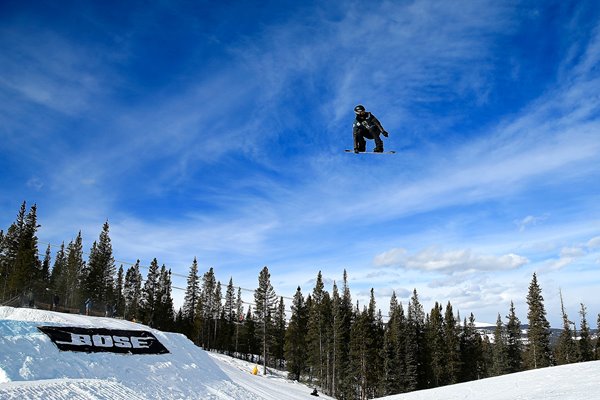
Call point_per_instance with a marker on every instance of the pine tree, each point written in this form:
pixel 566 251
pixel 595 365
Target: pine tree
pixel 217 316
pixel 3 264
pixel 240 318
pixel 597 347
pixel 586 350
pixel 471 352
pixel 57 276
pixel 415 347
pixel 265 300
pixel 452 342
pixel 316 332
pixel 295 338
pixel 150 293
pixel 377 329
pixel 191 298
pixel 26 270
pixel 45 271
pixel 360 343
pixel 566 350
pixel 229 306
pixel 500 362
pixel 537 353
pixel 164 316
pixel 99 281
pixel 327 320
pixel 343 315
pixel 11 244
pixel 229 312
pixel 207 309
pixel 514 346
pixel 132 292
pixel 279 334
pixel 119 296
pixel 250 343
pixel 436 346
pixel 74 273
pixel 393 351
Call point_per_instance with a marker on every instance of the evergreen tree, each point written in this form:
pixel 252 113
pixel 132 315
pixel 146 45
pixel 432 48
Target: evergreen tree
pixel 436 347
pixel 279 335
pixel 119 296
pixel 295 338
pixel 217 317
pixel 343 315
pixel 207 308
pixel 586 349
pixel 132 292
pixel 191 298
pixel 11 243
pixel 164 316
pixel 3 264
pixel 75 273
pixel 26 271
pixel 360 343
pixel 229 312
pixel 471 350
pixel 328 350
pixel 566 350
pixel 250 343
pixel 452 342
pixel 500 363
pixel 514 346
pixel 316 333
pixel 229 307
pixel 99 280
pixel 45 271
pixel 265 300
pixel 240 318
pixel 537 353
pixel 597 347
pixel 393 351
pixel 150 294
pixel 415 347
pixel 57 276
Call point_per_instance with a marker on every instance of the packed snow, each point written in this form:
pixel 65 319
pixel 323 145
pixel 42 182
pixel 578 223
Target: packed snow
pixel 32 367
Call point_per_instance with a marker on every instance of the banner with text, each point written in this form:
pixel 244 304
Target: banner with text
pixel 97 340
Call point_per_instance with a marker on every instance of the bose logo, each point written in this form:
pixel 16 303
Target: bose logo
pixel 94 340
pixel 135 342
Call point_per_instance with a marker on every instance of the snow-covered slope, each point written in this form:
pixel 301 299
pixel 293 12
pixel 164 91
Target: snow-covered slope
pixel 32 367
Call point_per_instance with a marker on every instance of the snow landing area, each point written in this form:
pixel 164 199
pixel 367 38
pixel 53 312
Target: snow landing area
pixel 32 367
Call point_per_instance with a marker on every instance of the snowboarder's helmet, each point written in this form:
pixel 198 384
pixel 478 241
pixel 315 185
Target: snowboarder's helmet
pixel 359 109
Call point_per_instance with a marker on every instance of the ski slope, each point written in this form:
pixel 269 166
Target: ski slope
pixel 32 367
pixel 568 382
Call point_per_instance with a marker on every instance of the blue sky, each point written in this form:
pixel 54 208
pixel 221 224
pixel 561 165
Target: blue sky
pixel 217 131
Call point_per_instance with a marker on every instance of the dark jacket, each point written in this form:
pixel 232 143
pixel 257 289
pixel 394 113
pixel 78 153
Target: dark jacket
pixel 368 122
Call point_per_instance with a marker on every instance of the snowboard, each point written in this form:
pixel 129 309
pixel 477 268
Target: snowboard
pixel 371 152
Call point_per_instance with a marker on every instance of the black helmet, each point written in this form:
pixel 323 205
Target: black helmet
pixel 359 109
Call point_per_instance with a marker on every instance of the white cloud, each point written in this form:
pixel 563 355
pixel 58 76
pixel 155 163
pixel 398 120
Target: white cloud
pixel 530 220
pixel 594 243
pixel 448 262
pixel 572 252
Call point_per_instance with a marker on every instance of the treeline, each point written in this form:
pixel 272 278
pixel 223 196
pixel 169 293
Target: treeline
pixel 350 351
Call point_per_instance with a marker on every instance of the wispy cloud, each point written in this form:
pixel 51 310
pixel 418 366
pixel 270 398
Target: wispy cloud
pixel 530 220
pixel 448 262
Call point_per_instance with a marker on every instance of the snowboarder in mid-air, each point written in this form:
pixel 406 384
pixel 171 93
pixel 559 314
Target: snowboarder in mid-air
pixel 366 126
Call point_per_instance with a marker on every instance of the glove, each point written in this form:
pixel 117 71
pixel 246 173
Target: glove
pixel 385 133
